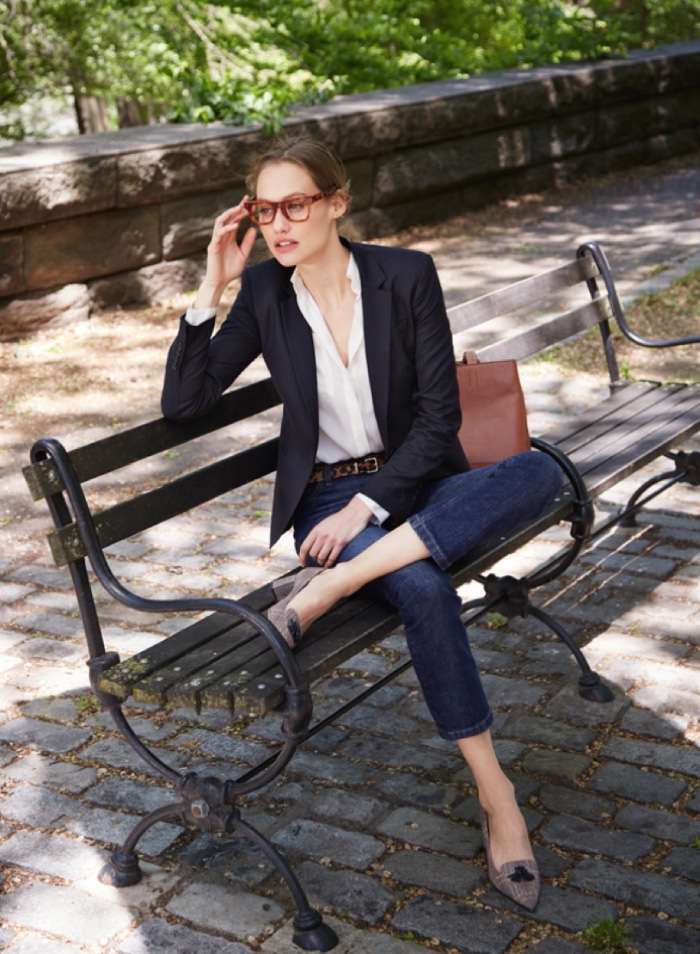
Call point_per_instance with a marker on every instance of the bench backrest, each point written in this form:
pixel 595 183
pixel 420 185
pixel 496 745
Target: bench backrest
pixel 54 470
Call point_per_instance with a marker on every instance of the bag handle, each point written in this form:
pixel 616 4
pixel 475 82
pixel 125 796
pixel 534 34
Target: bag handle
pixel 469 357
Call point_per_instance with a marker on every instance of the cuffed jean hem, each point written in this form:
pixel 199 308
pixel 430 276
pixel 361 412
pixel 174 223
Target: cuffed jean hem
pixel 455 514
pixel 428 541
pixel 451 735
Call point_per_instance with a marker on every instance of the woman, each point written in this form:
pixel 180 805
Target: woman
pixel 370 472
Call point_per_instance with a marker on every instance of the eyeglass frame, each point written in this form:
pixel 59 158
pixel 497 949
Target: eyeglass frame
pixel 306 200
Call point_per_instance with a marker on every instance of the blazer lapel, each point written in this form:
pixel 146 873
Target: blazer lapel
pixel 300 349
pixel 377 315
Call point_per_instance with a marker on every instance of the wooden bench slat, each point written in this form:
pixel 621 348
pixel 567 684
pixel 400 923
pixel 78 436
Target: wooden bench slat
pixel 650 413
pixel 606 429
pixel 146 440
pixel 588 416
pixel 520 294
pixel 155 506
pixel 547 333
pixel 648 443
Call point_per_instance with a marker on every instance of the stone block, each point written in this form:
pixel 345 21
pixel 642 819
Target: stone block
pixel 53 192
pixel 459 926
pixel 213 906
pixel 360 173
pixel 74 915
pixel 685 760
pixel 642 889
pixel 37 734
pixel 20 317
pixel 574 834
pixel 547 732
pixel 562 766
pixel 413 790
pixel 433 832
pixel 39 807
pixel 130 794
pixel 165 173
pixel 446 165
pixel 52 855
pixel 40 770
pixel 666 826
pixel 114 827
pixel 187 224
pixel 91 245
pixel 432 872
pixel 11 264
pixel 568 801
pixel 317 840
pixel 147 285
pixel 351 894
pixel 562 136
pixel 633 783
pixel 159 936
pixel 570 910
pixel 652 936
pixel 375 222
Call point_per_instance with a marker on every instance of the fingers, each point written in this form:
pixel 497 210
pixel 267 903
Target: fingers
pixel 227 223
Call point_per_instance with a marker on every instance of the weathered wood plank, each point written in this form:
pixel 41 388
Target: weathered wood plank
pixel 172 499
pixel 521 294
pixel 146 440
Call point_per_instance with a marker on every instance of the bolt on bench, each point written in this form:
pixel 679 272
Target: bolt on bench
pixel 231 657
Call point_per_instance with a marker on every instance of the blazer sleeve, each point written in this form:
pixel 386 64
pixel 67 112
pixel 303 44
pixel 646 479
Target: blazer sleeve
pixel 200 367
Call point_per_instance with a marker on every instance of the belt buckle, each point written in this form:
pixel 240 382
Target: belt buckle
pixel 371 461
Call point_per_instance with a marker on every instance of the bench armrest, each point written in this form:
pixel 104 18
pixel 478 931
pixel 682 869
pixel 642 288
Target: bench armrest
pixel 601 261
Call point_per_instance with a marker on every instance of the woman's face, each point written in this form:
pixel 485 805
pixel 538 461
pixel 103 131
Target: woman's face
pixel 298 243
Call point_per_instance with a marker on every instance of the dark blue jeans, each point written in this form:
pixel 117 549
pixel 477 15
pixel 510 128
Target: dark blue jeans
pixel 452 516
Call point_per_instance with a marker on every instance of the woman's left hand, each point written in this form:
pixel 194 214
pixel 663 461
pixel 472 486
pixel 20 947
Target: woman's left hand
pixel 329 538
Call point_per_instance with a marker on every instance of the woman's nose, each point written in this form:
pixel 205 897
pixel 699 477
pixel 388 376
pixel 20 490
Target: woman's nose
pixel 279 222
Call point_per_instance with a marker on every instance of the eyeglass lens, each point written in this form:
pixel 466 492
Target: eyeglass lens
pixel 295 209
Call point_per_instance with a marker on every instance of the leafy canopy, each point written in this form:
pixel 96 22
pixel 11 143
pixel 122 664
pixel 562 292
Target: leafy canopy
pixel 244 61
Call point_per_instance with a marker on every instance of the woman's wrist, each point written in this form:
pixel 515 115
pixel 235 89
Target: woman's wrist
pixel 208 296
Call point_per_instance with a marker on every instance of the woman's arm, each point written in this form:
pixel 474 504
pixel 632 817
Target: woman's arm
pixel 198 369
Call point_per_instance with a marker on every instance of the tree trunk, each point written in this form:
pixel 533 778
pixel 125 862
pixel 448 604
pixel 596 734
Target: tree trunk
pixel 92 114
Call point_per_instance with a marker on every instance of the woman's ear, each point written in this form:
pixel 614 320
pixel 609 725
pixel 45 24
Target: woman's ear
pixel 339 204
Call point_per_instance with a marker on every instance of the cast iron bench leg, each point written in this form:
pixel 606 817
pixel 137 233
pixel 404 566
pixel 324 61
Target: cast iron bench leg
pixel 208 804
pixel 511 597
pixel 687 471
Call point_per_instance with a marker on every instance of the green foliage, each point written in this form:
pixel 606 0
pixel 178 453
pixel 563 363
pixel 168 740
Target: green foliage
pixel 607 935
pixel 245 61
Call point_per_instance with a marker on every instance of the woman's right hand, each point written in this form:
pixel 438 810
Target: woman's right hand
pixel 226 259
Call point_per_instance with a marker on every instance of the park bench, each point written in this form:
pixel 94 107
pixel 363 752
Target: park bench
pixel 231 657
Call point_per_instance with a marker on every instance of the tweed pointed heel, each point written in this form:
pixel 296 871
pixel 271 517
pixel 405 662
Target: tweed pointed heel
pixel 285 619
pixel 517 880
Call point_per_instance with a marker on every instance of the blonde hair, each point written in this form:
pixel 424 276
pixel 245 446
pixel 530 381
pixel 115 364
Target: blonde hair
pixel 322 164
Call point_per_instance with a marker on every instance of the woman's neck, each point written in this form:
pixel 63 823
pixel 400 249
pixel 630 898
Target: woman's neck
pixel 326 278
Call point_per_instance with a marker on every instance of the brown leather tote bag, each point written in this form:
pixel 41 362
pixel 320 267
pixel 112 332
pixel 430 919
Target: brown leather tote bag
pixel 494 417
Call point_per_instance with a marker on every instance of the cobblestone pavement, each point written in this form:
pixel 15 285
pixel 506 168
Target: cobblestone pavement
pixel 379 815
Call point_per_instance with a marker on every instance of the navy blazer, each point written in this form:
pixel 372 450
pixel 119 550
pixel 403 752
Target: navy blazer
pixel 411 366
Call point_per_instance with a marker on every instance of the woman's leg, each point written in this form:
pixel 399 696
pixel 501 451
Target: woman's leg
pixel 509 836
pixel 393 566
pixel 453 516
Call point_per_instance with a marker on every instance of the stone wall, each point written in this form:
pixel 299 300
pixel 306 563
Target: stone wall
pixel 124 218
